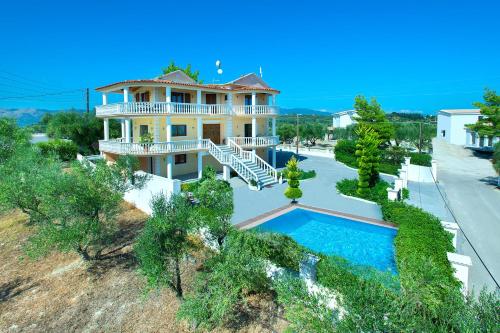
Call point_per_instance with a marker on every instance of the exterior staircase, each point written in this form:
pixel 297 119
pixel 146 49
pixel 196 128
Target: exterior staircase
pixel 248 166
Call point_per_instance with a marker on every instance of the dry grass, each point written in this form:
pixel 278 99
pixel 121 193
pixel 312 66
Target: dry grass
pixel 60 293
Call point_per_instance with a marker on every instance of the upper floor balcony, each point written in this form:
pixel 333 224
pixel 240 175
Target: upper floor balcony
pixel 130 109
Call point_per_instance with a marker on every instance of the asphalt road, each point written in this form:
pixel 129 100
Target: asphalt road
pixel 469 183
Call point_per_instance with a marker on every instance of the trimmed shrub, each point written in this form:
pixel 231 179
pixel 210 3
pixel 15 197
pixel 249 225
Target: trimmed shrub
pixel 345 152
pixel 190 187
pixel 65 150
pixel 422 159
pixel 378 193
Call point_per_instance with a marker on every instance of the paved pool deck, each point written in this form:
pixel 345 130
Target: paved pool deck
pixel 318 192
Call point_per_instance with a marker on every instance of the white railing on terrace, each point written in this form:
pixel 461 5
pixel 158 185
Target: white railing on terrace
pixel 117 146
pixel 259 141
pixel 249 110
pixel 250 156
pixel 165 108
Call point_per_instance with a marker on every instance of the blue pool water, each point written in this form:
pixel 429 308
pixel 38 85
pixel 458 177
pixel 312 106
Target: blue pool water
pixel 360 243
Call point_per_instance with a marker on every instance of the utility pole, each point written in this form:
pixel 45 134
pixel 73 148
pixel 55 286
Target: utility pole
pixel 298 137
pixel 87 97
pixel 420 137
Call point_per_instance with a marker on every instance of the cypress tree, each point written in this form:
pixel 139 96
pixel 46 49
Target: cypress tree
pixel 368 155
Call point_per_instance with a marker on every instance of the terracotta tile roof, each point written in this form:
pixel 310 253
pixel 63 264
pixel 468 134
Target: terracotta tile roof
pixel 230 86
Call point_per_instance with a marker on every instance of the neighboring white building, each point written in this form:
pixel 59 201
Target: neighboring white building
pixel 451 128
pixel 344 118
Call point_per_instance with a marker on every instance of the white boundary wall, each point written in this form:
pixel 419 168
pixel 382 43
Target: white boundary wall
pixel 141 198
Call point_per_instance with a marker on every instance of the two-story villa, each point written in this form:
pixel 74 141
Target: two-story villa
pixel 176 126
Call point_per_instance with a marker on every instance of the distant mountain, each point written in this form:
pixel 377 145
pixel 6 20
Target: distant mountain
pixel 29 116
pixel 304 111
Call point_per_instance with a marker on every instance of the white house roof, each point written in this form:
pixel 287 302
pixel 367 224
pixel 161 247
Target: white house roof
pixel 347 112
pixel 461 111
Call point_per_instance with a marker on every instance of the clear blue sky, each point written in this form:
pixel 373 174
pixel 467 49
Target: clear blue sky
pixel 412 55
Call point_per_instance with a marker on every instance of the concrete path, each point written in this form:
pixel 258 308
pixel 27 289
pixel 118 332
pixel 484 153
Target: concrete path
pixel 469 186
pixel 318 192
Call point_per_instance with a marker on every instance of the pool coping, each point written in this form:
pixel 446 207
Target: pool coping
pixel 255 221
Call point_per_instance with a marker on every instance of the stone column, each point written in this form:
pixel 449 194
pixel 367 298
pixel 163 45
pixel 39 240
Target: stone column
pixel 226 172
pixel 106 129
pixel 104 99
pixel 168 122
pixel 128 128
pixel 169 166
pixel 156 129
pixel 274 157
pixel 392 194
pixel 125 95
pixel 273 126
pixel 199 129
pixel 254 133
pixel 200 164
pixel 460 264
pixel 122 123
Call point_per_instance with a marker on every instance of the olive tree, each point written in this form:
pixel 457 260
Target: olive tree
pixel 82 211
pixel 215 208
pixel 164 242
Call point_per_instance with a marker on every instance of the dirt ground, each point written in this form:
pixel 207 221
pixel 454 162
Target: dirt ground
pixel 60 293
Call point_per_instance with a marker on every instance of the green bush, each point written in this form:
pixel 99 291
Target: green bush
pixel 279 249
pixel 221 288
pixel 64 149
pixel 378 193
pixel 190 187
pixel 421 159
pixel 303 175
pixel 345 152
pixel 388 168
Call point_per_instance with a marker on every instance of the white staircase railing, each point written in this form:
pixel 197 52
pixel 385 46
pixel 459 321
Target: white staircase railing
pixel 249 156
pixel 234 162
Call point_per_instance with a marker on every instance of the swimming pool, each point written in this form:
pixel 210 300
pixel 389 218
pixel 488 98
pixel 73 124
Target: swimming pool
pixel 360 243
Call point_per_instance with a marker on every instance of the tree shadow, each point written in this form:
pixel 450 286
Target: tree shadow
pixel 15 288
pixel 482 154
pixel 119 253
pixel 490 180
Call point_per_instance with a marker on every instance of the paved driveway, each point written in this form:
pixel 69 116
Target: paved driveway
pixel 468 183
pixel 318 192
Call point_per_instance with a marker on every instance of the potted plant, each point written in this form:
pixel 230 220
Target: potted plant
pixel 146 139
pixel 253 185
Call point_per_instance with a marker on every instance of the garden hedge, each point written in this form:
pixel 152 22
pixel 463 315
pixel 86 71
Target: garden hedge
pixel 65 150
pixel 422 159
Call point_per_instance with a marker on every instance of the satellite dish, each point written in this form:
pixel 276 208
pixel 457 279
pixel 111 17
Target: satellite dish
pixel 217 63
pixel 219 71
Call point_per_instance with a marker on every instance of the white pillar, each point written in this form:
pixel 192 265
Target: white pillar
pixel 154 96
pixel 122 123
pixel 407 161
pixel 392 194
pixel 453 229
pixel 200 165
pixel 125 95
pixel 254 102
pixel 254 131
pixel 169 166
pixel 156 129
pixel 199 130
pixel 106 129
pixel 157 165
pixel 168 122
pixel 127 130
pixel 229 127
pixel 226 172
pixel 274 157
pixel 168 98
pixel 198 96
pixel 168 94
pixel 273 100
pixel 229 103
pixel 104 99
pixel 273 126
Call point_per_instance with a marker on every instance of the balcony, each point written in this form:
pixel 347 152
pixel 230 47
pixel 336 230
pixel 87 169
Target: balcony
pixel 170 108
pixel 257 142
pixel 117 146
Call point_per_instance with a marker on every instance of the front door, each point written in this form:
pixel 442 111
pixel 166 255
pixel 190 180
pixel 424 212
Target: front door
pixel 212 132
pixel 210 99
pixel 248 130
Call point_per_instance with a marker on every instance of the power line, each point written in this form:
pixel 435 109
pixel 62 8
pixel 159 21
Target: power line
pixel 42 95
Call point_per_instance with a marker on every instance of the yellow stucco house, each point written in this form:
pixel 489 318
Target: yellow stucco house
pixel 176 126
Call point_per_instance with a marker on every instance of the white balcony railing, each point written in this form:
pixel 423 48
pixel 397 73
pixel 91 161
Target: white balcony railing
pixel 248 110
pixel 155 148
pixel 260 141
pixel 166 108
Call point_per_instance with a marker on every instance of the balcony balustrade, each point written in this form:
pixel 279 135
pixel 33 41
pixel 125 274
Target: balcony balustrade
pixel 259 141
pixel 171 108
pixel 118 146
